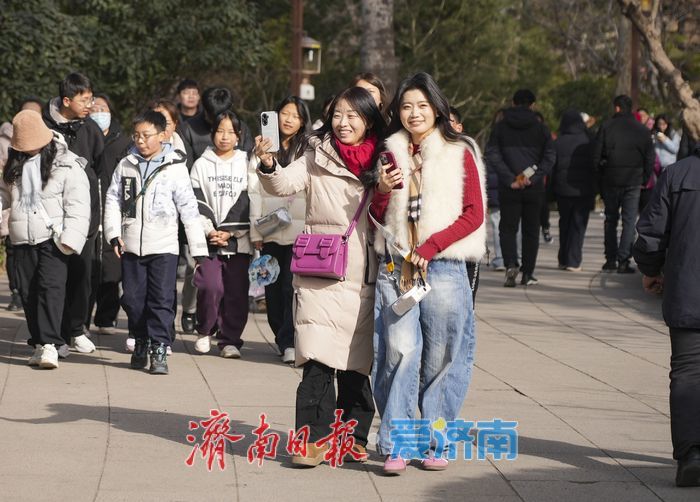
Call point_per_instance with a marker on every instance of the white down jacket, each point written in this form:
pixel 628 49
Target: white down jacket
pixel 153 227
pixel 66 199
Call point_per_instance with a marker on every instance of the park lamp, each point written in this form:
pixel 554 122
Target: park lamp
pixel 310 56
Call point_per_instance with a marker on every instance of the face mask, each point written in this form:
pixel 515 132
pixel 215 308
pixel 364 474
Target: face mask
pixel 103 119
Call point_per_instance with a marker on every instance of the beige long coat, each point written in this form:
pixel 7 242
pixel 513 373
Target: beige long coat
pixel 334 320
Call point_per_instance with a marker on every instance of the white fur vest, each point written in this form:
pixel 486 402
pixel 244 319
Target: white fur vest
pixel 442 193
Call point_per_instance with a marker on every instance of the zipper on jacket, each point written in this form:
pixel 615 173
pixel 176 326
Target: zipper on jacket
pixel 143 200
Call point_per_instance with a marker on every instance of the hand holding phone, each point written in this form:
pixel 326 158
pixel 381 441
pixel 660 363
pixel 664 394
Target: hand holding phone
pixel 270 129
pixel 390 177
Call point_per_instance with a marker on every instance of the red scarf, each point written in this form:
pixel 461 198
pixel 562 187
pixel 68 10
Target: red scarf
pixel 357 157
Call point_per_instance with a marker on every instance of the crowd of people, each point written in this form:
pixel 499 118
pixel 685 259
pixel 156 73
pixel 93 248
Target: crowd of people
pixel 376 216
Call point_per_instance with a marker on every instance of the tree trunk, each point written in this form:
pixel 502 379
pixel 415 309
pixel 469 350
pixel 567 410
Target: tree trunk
pixel 377 51
pixel 651 35
pixel 624 50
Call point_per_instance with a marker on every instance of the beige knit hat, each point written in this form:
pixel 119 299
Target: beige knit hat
pixel 29 132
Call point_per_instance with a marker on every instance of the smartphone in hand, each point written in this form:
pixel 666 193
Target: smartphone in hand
pixel 270 128
pixel 388 158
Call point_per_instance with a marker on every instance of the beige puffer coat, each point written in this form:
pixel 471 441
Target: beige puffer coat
pixel 333 320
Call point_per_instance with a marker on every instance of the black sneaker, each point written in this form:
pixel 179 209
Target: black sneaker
pixel 625 268
pixel 610 266
pixel 15 302
pixel 688 473
pixel 187 322
pixel 511 274
pixel 139 359
pixel 528 280
pixel 547 236
pixel 159 359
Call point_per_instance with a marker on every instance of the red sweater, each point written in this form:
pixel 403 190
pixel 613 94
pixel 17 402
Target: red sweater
pixel 471 218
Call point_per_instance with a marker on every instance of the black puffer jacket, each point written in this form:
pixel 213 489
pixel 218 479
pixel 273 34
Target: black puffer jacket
pixel 519 141
pixel 669 239
pixel 117 144
pixel 573 174
pixel 624 152
pixel 86 140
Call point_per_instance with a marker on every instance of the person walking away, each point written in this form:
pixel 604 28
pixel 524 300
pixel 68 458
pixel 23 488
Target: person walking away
pixel 574 187
pixel 666 253
pixel 520 150
pixel 49 195
pixel 623 158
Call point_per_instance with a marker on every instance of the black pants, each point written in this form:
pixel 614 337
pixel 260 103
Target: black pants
pixel 685 390
pixel 620 201
pixel 76 308
pixel 316 402
pixel 148 299
pixel 573 221
pixel 523 204
pixel 279 296
pixel 104 296
pixel 41 274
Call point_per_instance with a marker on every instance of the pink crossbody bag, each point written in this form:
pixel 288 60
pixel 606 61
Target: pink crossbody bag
pixel 324 255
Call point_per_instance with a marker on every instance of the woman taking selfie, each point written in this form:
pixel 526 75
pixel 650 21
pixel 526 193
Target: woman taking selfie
pixel 424 357
pixel 333 318
pixel 294 121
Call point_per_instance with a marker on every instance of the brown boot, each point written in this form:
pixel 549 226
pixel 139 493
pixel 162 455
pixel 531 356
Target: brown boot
pixel 359 449
pixel 314 455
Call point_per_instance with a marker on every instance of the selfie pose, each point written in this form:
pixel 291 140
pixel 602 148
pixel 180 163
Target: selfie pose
pixel 333 318
pixel 431 204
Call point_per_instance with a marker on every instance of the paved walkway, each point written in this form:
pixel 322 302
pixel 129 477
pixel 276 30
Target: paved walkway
pixel 581 361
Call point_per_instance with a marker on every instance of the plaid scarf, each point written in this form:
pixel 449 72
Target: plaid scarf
pixel 409 272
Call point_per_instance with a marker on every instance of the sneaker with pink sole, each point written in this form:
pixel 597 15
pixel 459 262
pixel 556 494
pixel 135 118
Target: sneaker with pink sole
pixel 394 466
pixel 433 463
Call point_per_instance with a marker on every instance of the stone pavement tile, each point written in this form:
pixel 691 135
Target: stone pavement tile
pixel 140 465
pixel 558 491
pixel 29 485
pixel 564 467
pixel 662 482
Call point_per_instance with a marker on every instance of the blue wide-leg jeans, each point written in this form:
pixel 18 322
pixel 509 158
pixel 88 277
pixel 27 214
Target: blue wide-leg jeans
pixel 424 358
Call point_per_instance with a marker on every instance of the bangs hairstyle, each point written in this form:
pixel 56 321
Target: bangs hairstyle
pixel 426 84
pixel 150 117
pixel 106 99
pixel 169 106
pixel 74 84
pixel 227 114
pixel 371 78
pixel 297 143
pixel 362 102
pixel 16 159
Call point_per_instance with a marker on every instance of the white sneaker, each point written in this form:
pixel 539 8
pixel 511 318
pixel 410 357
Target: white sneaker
pixel 230 351
pixel 83 344
pixel 203 344
pixel 35 358
pixel 289 355
pixel 63 351
pixel 169 350
pixel 130 344
pixel 49 357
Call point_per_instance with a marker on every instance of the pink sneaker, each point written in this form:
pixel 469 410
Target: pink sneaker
pixel 394 466
pixel 434 464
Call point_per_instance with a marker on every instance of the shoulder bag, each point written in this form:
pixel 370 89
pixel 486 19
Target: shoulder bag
pixel 324 255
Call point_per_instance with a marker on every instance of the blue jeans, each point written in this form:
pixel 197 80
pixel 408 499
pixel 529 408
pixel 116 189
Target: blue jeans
pixel 423 359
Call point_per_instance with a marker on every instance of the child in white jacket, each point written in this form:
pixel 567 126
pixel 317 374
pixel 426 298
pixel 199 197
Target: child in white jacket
pixel 149 190
pixel 220 182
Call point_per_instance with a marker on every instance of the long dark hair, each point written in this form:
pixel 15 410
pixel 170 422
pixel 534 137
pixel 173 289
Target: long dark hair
pixel 371 78
pixel 669 127
pixel 16 160
pixel 363 103
pixel 297 143
pixel 427 85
